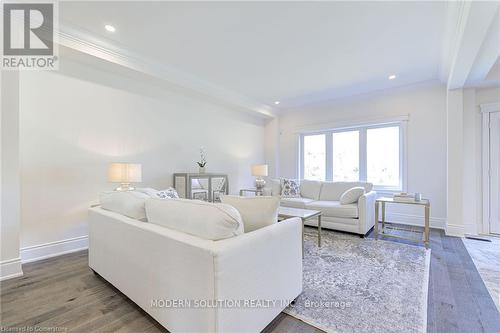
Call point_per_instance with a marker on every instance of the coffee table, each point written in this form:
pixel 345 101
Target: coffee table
pixel 303 214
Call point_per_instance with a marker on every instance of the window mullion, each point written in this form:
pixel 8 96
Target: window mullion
pixel 301 157
pixel 402 156
pixel 329 156
pixel 362 155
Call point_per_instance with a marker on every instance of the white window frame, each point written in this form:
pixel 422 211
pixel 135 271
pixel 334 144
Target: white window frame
pixel 402 124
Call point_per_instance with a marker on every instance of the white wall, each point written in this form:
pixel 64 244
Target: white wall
pixel 471 138
pixel 426 140
pixel 488 95
pixel 472 127
pixel 272 149
pixel 75 121
pixel 10 263
pixel 455 162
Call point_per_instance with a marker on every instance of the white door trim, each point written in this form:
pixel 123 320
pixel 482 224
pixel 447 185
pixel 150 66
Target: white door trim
pixel 486 109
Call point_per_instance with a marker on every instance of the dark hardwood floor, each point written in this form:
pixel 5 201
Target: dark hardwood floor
pixel 63 294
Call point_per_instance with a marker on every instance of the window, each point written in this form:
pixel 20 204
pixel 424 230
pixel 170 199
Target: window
pixel 372 153
pixel 382 156
pixel 314 157
pixel 345 146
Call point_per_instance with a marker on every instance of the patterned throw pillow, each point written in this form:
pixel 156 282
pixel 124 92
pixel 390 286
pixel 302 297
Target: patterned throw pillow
pixel 290 188
pixel 169 193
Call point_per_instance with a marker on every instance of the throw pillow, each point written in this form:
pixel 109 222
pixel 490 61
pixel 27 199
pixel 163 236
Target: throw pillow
pixel 169 193
pixel 198 218
pixel 128 203
pixel 256 212
pixel 352 195
pixel 290 188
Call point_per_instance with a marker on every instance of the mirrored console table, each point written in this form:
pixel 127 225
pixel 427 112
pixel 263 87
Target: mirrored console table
pixel 201 186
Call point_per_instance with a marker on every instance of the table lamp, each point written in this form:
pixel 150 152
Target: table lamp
pixel 259 171
pixel 125 174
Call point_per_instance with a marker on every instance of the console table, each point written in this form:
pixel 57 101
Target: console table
pixel 252 190
pixel 202 186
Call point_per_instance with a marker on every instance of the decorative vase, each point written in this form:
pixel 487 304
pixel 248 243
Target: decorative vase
pixel 201 169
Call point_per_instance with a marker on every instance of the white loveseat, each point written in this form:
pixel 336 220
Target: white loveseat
pixel 357 218
pixel 154 265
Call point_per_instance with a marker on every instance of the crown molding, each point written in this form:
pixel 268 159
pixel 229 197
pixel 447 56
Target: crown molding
pixel 86 43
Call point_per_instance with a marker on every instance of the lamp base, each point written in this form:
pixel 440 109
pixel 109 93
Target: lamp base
pixel 260 183
pixel 125 187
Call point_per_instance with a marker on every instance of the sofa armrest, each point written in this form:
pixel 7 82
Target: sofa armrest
pixel 148 262
pixel 265 264
pixel 366 211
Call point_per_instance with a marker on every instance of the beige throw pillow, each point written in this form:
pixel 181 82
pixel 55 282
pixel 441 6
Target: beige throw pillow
pixel 256 212
pixel 352 195
pixel 198 218
pixel 128 203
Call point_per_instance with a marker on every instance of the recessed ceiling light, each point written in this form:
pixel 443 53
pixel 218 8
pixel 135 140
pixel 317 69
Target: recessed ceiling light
pixel 276 102
pixel 110 28
pixel 392 77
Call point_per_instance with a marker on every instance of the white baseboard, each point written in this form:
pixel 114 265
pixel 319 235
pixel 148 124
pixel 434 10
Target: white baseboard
pixel 459 230
pixel 10 269
pixel 417 220
pixel 53 249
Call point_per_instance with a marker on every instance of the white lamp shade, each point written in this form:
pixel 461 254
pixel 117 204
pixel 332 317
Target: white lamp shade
pixel 124 173
pixel 259 170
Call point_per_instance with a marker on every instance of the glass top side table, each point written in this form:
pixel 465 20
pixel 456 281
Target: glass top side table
pixel 425 203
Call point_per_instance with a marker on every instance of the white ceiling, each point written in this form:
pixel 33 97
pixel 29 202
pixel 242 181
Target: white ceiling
pixel 295 52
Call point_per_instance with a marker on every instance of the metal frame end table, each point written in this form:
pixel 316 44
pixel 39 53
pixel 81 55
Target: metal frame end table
pixel 303 214
pixel 383 201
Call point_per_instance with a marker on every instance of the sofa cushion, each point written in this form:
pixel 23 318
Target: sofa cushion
pixel 198 218
pixel 256 212
pixel 128 203
pixel 352 195
pixel 295 202
pixel 290 188
pixel 310 189
pixel 334 209
pixel 331 191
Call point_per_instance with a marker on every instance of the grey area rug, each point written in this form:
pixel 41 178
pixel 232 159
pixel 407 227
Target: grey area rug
pixel 363 285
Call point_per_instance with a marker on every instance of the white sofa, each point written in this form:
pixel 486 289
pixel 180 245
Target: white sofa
pixel 357 218
pixel 150 263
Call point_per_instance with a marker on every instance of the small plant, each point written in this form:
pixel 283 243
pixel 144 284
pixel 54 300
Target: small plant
pixel 203 160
